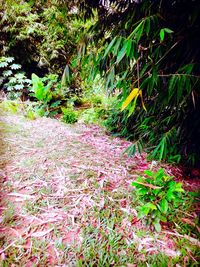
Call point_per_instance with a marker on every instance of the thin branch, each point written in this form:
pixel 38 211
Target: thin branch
pixel 178 74
pixel 166 53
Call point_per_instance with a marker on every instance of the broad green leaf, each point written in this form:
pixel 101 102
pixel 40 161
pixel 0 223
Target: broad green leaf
pixel 178 187
pixel 159 174
pixel 170 195
pixel 164 206
pixel 143 191
pixel 162 34
pixel 143 211
pixel 150 206
pixel 38 87
pixel 130 97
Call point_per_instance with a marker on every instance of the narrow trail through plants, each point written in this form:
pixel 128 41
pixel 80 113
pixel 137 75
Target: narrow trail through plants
pixel 55 181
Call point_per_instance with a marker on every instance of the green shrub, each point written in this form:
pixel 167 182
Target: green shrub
pixel 69 115
pixel 159 197
pixel 93 115
pixel 14 82
pixel 46 92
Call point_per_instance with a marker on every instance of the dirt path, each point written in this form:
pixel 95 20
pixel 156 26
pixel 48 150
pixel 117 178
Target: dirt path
pixel 56 181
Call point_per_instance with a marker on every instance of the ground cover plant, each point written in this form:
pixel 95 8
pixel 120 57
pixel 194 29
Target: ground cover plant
pixel 159 197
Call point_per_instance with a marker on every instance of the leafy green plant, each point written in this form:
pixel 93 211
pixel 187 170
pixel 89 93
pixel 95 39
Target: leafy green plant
pixel 14 82
pixel 93 115
pixel 47 93
pixel 158 195
pixel 40 91
pixel 69 115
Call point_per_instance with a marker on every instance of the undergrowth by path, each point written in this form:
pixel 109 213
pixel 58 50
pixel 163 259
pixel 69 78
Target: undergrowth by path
pixel 66 200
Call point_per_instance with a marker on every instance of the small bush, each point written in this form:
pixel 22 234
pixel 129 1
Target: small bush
pixel 69 115
pixel 93 115
pixel 13 81
pixel 158 196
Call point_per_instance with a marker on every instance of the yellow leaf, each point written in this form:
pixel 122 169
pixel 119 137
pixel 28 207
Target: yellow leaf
pixel 129 98
pixel 140 92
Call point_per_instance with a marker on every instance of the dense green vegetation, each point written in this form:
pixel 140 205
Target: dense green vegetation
pixel 141 56
pixel 131 66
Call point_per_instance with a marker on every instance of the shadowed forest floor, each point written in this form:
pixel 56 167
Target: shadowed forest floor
pixel 66 200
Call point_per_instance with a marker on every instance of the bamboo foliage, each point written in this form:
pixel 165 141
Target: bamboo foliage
pixel 146 55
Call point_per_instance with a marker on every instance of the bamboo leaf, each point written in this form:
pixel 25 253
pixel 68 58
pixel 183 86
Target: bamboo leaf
pixel 128 47
pixel 130 97
pixel 140 93
pixel 121 54
pixel 171 86
pixel 110 46
pixel 162 34
pixel 137 31
pixel 147 26
pixel 131 110
pixel 116 47
pixel 162 149
pixel 168 30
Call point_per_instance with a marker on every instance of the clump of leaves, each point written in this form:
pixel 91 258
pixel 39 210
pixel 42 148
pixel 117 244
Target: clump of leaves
pixel 45 91
pixel 69 115
pixel 93 115
pixel 11 106
pixel 13 81
pixel 158 195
